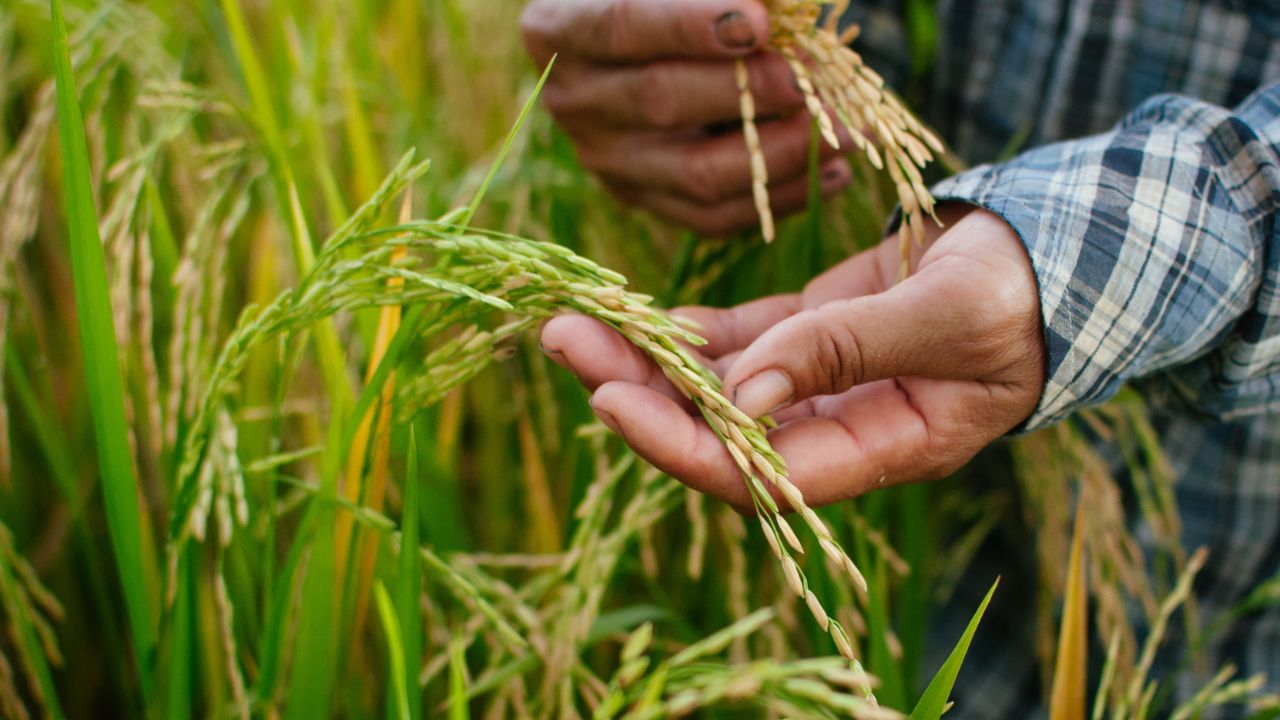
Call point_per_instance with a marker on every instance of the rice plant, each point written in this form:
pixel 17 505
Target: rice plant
pixel 271 274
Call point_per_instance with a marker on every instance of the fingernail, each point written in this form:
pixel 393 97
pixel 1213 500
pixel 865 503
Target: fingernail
pixel 764 393
pixel 734 32
pixel 556 356
pixel 605 417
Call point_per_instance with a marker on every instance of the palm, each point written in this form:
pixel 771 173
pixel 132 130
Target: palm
pixel 905 382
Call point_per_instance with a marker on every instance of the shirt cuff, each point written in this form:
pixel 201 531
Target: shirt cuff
pixel 1142 261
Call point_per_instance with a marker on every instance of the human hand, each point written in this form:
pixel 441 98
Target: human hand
pixel 646 91
pixel 871 383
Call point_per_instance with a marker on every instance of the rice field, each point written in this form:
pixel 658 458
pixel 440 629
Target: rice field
pixel 277 438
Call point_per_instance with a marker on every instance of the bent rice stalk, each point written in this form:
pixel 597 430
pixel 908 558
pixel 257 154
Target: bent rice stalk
pixel 532 280
pixel 838 86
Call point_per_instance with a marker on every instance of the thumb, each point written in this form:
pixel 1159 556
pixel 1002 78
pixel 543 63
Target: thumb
pixel 940 327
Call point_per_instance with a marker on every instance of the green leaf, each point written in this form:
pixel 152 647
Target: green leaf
pixel 892 691
pixel 506 146
pixel 395 653
pixel 182 645
pixel 272 642
pixel 922 35
pixel 27 641
pixel 103 377
pixel 1067 698
pixel 934 700
pixel 315 657
pixel 409 575
pixel 457 681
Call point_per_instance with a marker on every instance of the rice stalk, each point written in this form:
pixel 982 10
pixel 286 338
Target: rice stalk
pixel 1219 691
pixel 839 87
pixel 395 651
pixel 29 609
pixel 374 426
pixel 737 585
pixel 1134 699
pixel 536 280
pixel 694 503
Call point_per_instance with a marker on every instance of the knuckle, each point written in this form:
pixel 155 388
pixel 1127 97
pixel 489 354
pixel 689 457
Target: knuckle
pixel 615 28
pixel 774 84
pixel 703 180
pixel 839 354
pixel 656 96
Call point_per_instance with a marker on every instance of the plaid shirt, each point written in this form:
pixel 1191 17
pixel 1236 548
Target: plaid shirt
pixel 1151 224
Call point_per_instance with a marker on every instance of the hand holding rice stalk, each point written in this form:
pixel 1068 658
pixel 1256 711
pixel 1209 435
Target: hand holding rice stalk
pixel 487 271
pixel 836 82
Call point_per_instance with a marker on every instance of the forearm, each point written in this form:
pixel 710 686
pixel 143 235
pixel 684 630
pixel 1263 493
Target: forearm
pixel 1156 255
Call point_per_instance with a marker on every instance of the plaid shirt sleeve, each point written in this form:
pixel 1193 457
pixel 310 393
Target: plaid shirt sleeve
pixel 1157 254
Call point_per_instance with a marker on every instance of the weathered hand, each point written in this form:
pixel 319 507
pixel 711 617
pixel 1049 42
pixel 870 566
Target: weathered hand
pixel 646 90
pixel 872 383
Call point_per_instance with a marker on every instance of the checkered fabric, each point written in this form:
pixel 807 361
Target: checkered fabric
pixel 1134 145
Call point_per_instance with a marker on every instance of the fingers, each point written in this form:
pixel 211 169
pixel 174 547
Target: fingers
pixel 869 272
pixel 670 438
pixel 738 213
pixel 731 329
pixel 620 31
pixel 948 322
pixel 706 170
pixel 882 434
pixel 597 354
pixel 886 433
pixel 728 331
pixel 669 94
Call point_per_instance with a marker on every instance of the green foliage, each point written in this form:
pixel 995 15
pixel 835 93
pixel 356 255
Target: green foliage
pixel 520 561
pixel 934 700
pixel 395 656
pixel 104 379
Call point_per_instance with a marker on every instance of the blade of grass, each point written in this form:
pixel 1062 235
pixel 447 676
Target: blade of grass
pixel 1067 700
pixel 934 701
pixel 48 432
pixel 409 575
pixel 922 35
pixel 506 146
pixel 892 691
pixel 395 652
pixel 367 169
pixel 457 681
pixel 182 642
pixel 276 627
pixel 264 116
pixel 104 378
pixel 29 644
pixel 56 447
pixel 315 658
pixel 378 426
pixel 915 543
pixel 540 506
pixel 413 319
